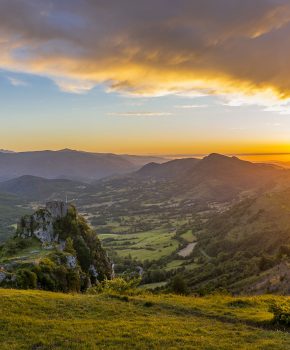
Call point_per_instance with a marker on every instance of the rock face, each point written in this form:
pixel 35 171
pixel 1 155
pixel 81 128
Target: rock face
pixel 74 258
pixel 41 223
pixel 57 209
pixel 2 276
pixel 71 262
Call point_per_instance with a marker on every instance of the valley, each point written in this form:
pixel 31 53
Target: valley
pixel 144 175
pixel 174 218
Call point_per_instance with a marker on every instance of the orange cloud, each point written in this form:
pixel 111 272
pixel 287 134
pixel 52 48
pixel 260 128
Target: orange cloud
pixel 152 48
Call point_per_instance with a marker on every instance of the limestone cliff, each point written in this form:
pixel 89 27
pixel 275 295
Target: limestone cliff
pixel 70 255
pixel 41 223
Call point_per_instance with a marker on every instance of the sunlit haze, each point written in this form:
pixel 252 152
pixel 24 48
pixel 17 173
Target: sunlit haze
pixel 135 78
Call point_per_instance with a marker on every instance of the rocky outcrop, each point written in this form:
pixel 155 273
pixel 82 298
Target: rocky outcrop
pixel 41 223
pixel 57 209
pixel 2 276
pixel 76 259
pixel 71 261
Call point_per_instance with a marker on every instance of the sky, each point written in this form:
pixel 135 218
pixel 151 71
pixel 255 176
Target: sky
pixel 145 77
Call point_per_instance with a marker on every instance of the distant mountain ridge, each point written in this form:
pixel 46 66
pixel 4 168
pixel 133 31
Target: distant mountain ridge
pixel 68 164
pixel 38 188
pixel 214 161
pixel 215 177
pixel 171 169
pixel 6 151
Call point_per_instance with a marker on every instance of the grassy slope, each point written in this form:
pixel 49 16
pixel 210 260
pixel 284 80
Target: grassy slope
pixel 11 209
pixel 42 320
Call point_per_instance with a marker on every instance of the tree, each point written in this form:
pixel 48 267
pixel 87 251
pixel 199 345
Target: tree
pixel 83 253
pixel 69 246
pixel 26 279
pixel 178 285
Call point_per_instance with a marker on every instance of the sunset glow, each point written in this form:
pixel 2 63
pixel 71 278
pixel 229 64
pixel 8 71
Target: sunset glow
pixel 106 77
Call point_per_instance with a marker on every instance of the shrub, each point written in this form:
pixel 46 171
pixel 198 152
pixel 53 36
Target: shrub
pixel 178 285
pixel 281 313
pixel 240 303
pixel 26 279
pixel 117 285
pixel 15 244
pixel 69 246
pixel 148 304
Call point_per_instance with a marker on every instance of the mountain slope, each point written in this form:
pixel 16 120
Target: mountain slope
pixel 214 178
pixel 168 170
pixel 68 164
pixel 240 247
pixel 11 208
pixel 37 188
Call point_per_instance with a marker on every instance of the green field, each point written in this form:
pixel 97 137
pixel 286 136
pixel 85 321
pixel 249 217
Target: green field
pixel 174 264
pixel 188 236
pixel 151 245
pixel 45 321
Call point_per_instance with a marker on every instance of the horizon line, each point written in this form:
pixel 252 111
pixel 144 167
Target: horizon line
pixel 3 150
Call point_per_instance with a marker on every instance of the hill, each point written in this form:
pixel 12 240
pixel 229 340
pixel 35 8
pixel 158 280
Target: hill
pixel 43 320
pixel 214 178
pixel 39 189
pixel 181 216
pixel 68 164
pixel 11 208
pixel 246 249
pixel 54 249
pixel 168 170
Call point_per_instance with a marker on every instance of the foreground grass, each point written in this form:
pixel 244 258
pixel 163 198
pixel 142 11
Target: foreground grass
pixel 38 320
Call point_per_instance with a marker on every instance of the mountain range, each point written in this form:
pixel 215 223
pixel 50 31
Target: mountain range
pixel 234 213
pixel 215 177
pixel 69 164
pixel 40 189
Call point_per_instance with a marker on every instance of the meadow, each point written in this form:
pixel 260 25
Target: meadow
pixel 31 320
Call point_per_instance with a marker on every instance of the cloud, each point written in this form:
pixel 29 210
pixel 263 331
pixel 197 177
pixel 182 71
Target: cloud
pixel 265 100
pixel 74 86
pixel 17 82
pixel 283 109
pixel 140 114
pixel 190 106
pixel 152 48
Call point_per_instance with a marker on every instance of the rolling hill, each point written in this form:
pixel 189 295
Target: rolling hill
pixel 168 170
pixel 68 164
pixel 44 320
pixel 214 178
pixel 163 209
pixel 40 189
pixel 246 249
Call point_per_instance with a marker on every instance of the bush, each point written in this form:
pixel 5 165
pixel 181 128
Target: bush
pixel 281 314
pixel 117 285
pixel 15 244
pixel 266 262
pixel 26 279
pixel 178 285
pixel 240 303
